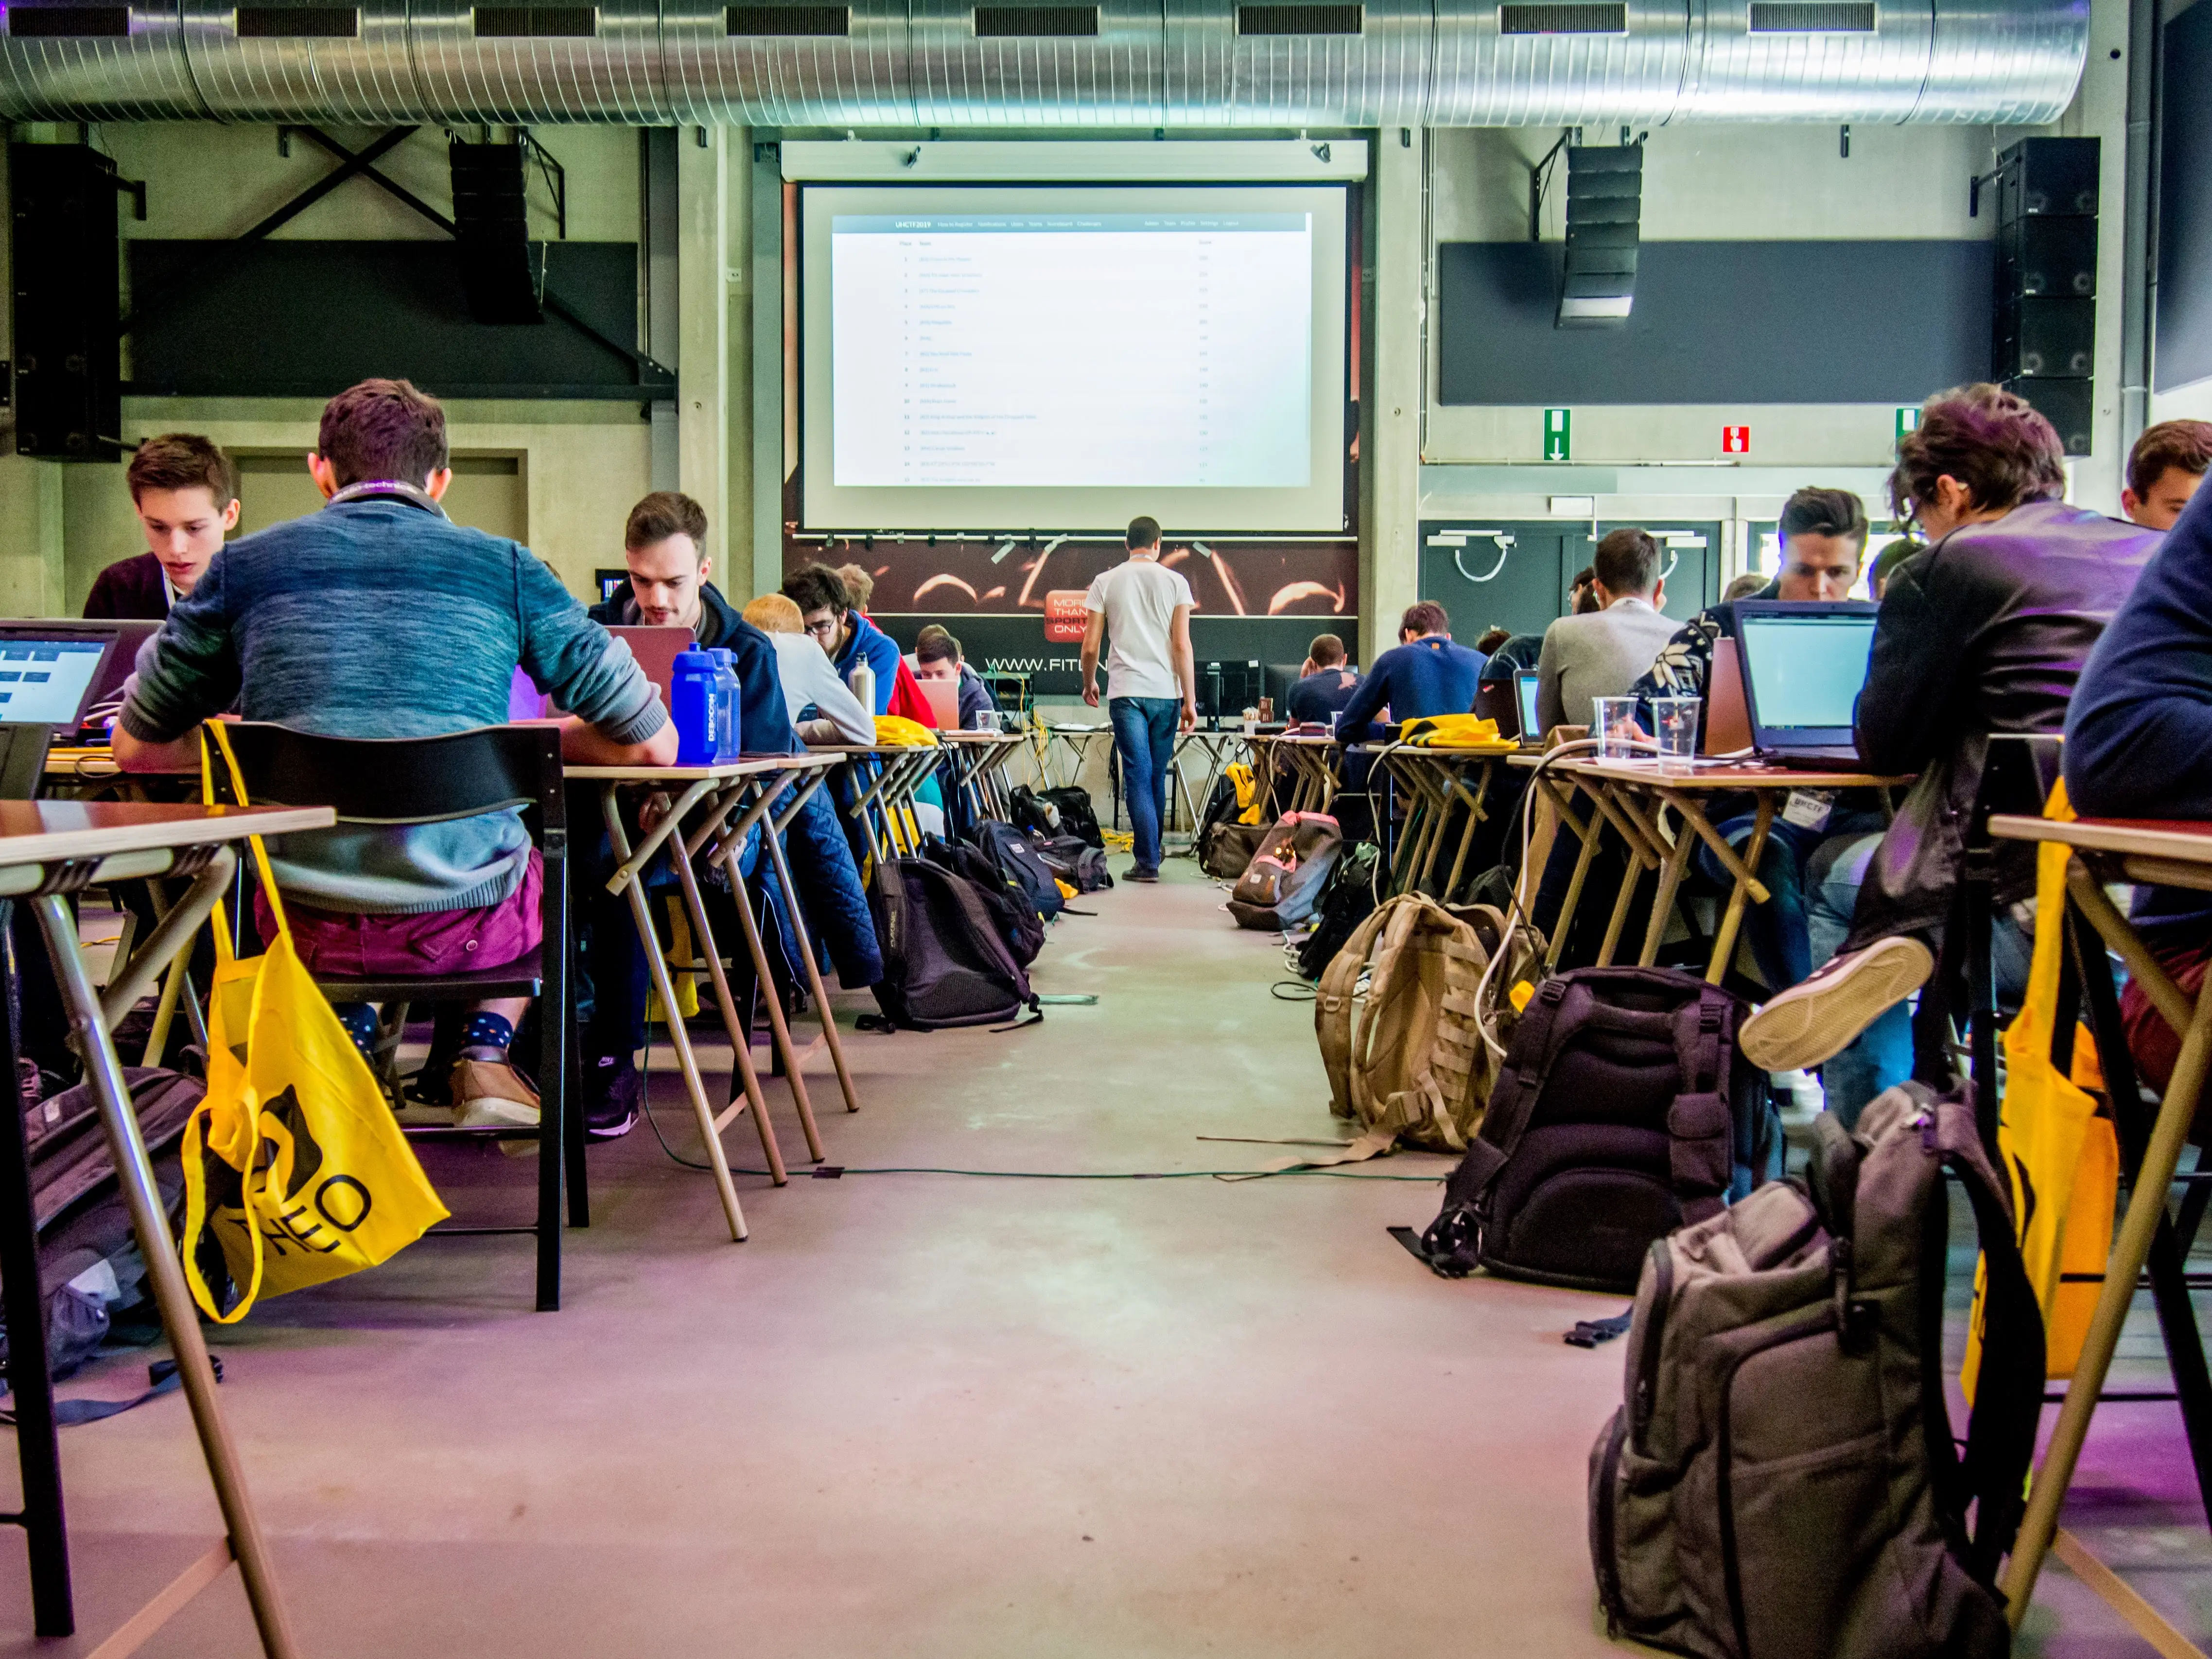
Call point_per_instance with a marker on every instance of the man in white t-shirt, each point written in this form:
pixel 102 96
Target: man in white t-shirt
pixel 1150 684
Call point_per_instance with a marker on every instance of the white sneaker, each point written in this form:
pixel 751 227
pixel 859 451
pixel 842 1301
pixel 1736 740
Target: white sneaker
pixel 1819 1017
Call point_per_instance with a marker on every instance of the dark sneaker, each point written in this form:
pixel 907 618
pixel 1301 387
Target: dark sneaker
pixel 1137 872
pixel 1820 1018
pixel 612 1090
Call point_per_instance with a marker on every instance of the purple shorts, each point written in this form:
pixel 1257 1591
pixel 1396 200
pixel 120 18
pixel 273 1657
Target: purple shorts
pixel 339 944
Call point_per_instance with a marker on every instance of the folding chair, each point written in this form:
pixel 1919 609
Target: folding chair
pixel 404 781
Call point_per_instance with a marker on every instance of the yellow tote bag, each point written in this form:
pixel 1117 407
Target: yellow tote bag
pixel 2064 1157
pixel 295 1167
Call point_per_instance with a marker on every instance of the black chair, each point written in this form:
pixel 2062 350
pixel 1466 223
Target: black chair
pixel 398 781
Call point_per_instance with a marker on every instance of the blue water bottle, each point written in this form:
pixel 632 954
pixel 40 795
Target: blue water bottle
pixel 728 725
pixel 694 699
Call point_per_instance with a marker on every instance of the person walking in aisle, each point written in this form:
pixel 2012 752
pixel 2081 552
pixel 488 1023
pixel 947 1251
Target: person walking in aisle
pixel 1151 683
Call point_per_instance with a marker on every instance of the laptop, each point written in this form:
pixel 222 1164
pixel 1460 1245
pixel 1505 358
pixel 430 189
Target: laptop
pixel 655 648
pixel 943 702
pixel 51 672
pixel 1803 665
pixel 1524 703
pixel 1728 723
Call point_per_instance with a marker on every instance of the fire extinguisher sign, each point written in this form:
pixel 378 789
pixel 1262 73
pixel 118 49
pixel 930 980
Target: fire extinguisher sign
pixel 1735 441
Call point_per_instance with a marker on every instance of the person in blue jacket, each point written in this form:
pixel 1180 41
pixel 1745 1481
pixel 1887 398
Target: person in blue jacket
pixel 1424 674
pixel 840 629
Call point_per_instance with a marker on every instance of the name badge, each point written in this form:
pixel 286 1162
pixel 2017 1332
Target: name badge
pixel 1809 808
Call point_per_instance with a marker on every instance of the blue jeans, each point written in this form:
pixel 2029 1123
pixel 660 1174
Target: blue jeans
pixel 1881 1056
pixel 1777 930
pixel 1145 734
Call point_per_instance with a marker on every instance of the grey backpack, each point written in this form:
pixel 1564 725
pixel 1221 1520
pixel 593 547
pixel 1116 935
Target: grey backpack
pixel 1782 1481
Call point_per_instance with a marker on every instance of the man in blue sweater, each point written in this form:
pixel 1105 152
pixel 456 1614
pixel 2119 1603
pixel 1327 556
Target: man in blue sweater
pixel 1426 674
pixel 663 548
pixel 379 617
pixel 2139 745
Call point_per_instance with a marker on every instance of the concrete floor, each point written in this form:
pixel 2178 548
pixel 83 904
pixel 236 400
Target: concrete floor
pixel 923 1414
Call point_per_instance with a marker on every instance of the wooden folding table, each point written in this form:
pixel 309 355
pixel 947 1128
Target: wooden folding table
pixel 49 849
pixel 1436 781
pixel 2105 853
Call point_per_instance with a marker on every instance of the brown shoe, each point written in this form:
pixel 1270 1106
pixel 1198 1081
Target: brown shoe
pixel 491 1095
pixel 1820 1018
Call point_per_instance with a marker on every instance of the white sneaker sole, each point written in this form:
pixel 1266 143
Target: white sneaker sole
pixel 1818 1020
pixel 496 1112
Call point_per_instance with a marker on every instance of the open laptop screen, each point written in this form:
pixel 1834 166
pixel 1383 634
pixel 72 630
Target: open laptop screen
pixel 1802 669
pixel 1524 688
pixel 45 681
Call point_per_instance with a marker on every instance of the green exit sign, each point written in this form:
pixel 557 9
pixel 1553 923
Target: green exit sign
pixel 1907 420
pixel 1556 434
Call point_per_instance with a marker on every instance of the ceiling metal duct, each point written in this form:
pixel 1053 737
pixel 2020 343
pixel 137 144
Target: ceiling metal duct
pixel 1101 63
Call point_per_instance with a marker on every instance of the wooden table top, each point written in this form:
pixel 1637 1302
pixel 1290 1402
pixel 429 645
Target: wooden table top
pixel 47 831
pixel 1709 775
pixel 2177 840
pixel 748 765
pixel 980 739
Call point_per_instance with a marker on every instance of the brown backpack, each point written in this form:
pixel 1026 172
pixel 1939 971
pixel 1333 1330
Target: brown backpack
pixel 1408 1062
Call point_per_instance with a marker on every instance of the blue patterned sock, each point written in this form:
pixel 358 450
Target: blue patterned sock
pixel 487 1038
pixel 360 1020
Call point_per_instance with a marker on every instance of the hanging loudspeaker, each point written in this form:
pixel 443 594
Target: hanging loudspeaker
pixel 1605 211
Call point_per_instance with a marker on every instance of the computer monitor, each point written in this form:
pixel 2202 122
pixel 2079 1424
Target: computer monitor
pixel 1226 689
pixel 1280 677
pixel 49 670
pixel 1524 700
pixel 1802 668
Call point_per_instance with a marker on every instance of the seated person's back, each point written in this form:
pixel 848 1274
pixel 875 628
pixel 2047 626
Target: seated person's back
pixel 1325 683
pixel 1604 653
pixel 1424 674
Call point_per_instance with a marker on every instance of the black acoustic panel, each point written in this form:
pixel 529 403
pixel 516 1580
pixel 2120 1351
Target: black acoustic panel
pixel 66 302
pixel 1812 16
pixel 535 22
pixel 37 22
pixel 788 20
pixel 2051 257
pixel 2069 405
pixel 2054 339
pixel 297 22
pixel 2038 176
pixel 1721 322
pixel 1562 17
pixel 491 223
pixel 1300 19
pixel 1036 22
pixel 327 315
pixel 2183 341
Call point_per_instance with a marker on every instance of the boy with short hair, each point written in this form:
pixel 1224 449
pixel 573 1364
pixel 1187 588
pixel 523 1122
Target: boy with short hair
pixel 184 491
pixel 1325 683
pixel 837 626
pixel 378 616
pixel 2164 468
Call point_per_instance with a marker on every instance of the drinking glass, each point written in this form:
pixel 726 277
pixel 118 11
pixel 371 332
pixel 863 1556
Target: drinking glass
pixel 1676 721
pixel 1615 728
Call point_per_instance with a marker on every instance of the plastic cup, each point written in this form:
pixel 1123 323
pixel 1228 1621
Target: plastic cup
pixel 1676 719
pixel 1615 728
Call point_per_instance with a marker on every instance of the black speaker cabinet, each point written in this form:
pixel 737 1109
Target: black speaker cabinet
pixel 2043 341
pixel 2057 177
pixel 491 224
pixel 64 257
pixel 1605 213
pixel 2049 339
pixel 2069 405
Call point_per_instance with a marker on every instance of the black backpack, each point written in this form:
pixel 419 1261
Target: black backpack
pixel 1080 865
pixel 1031 811
pixel 1078 817
pixel 1018 923
pixel 945 963
pixel 1346 900
pixel 1624 1111
pixel 1017 859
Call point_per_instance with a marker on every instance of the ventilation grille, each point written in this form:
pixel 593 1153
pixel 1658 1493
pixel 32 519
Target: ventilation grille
pixel 1036 22
pixel 1563 19
pixel 1812 16
pixel 1300 19
pixel 66 22
pixel 298 23
pixel 536 22
pixel 819 21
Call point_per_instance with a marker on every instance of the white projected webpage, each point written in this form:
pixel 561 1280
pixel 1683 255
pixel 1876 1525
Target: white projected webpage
pixel 1070 350
pixel 43 682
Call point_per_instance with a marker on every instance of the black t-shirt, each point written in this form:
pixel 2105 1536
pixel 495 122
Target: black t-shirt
pixel 1320 697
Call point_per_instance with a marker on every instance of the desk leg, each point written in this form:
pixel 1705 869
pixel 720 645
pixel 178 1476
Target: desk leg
pixel 179 1316
pixel 2146 1209
pixel 741 1063
pixel 38 1448
pixel 1475 816
pixel 1671 881
pixel 1732 918
pixel 820 992
pixel 678 1039
pixel 1589 834
pixel 778 1028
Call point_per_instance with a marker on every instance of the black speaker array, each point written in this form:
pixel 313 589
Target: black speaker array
pixel 1605 218
pixel 2046 274
pixel 492 226
pixel 69 399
